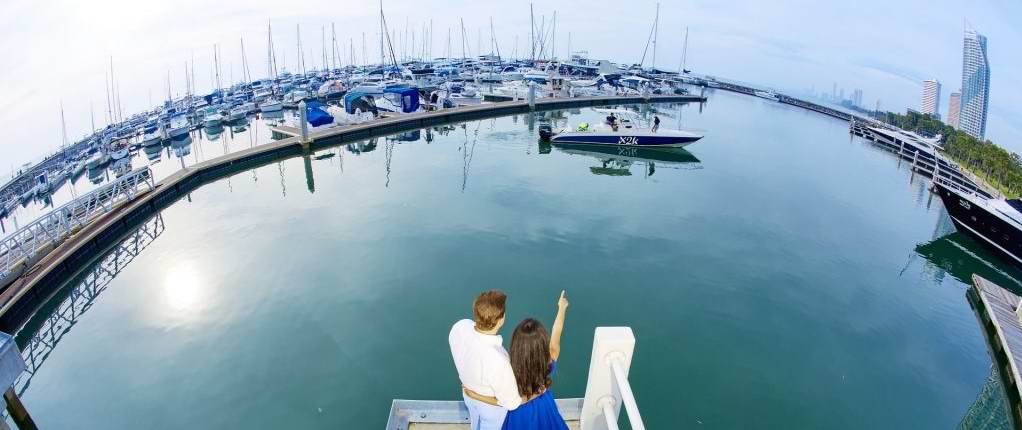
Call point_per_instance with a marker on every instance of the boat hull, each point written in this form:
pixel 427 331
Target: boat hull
pixel 177 132
pixel 646 140
pixel 996 234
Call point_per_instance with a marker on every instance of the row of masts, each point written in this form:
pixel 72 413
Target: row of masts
pixel 412 45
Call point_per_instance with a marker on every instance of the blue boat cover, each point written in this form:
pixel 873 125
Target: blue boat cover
pixel 316 115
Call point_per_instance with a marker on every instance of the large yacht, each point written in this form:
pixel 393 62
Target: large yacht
pixel 994 222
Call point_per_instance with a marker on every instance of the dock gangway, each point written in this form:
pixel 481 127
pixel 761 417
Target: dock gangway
pixel 25 246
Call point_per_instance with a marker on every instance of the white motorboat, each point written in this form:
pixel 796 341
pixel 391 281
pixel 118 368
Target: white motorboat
pixel 622 129
pixel 237 113
pixel 213 120
pixel 151 137
pixel 179 125
pixel 271 105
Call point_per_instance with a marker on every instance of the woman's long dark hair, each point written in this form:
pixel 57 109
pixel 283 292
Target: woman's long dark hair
pixel 530 357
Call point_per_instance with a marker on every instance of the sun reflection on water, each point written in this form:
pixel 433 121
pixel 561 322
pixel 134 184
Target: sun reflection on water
pixel 183 291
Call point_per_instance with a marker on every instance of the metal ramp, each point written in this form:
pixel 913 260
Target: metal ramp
pixel 24 247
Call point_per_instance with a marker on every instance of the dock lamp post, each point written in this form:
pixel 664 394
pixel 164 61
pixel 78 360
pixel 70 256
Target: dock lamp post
pixel 11 366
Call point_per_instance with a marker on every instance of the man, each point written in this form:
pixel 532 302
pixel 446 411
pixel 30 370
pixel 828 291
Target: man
pixel 482 362
pixel 656 123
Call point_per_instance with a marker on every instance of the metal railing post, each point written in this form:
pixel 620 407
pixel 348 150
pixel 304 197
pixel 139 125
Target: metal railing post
pixel 608 387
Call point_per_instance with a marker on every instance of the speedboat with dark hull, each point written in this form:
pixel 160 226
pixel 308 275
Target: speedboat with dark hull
pixel 996 223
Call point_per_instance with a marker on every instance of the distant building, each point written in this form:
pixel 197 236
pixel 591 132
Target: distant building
pixel 931 97
pixel 857 97
pixel 953 107
pixel 975 100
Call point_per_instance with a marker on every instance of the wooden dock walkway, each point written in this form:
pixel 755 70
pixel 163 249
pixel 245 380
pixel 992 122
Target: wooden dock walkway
pixel 997 310
pixel 20 299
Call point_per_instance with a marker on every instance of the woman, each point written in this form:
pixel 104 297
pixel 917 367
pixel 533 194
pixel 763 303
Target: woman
pixel 534 362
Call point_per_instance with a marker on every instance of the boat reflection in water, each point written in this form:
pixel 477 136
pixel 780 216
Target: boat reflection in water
pixel 961 257
pixel 182 146
pixel 38 337
pixel 153 153
pixel 618 160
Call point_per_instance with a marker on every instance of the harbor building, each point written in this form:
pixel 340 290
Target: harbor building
pixel 975 100
pixel 954 106
pixel 931 97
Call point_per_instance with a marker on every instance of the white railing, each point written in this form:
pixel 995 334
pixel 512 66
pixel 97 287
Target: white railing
pixel 956 186
pixel 46 232
pixel 608 387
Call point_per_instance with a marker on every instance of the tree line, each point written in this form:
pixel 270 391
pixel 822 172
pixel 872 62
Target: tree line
pixel 997 166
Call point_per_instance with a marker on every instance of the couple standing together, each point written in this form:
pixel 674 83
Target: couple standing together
pixel 501 390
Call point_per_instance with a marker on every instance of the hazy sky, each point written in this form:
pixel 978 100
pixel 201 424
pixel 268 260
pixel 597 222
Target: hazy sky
pixel 59 51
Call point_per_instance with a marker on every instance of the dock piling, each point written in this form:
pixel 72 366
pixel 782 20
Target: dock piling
pixel 532 95
pixel 303 118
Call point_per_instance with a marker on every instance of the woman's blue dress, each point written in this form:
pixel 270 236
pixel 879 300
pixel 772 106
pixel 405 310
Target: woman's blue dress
pixel 537 414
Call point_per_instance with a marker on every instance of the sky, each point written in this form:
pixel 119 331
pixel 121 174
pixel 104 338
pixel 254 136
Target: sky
pixel 58 52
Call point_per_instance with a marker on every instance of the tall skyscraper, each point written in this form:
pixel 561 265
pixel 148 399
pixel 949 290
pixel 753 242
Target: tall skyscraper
pixel 953 107
pixel 972 117
pixel 931 97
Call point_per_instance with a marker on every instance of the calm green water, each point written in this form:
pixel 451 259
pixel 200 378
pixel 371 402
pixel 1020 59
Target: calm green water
pixel 781 275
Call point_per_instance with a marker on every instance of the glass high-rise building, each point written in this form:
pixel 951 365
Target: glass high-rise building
pixel 975 101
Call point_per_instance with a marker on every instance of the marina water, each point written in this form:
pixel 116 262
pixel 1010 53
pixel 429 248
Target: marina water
pixel 779 274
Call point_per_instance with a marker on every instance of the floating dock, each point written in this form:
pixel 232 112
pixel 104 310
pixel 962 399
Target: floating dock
pixel 997 310
pixel 20 299
pixel 453 415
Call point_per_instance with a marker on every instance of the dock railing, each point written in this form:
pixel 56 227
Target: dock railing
pixel 608 388
pixel 21 248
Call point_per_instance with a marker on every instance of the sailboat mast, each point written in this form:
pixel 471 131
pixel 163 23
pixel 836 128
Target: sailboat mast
pixel 63 126
pixel 333 44
pixel 656 32
pixel 464 42
pixel 553 38
pixel 271 57
pixel 245 74
pixel 532 32
pixel 684 51
pixel 301 54
pixel 382 62
pixel 109 108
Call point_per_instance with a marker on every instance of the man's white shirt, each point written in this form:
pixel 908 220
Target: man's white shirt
pixel 483 364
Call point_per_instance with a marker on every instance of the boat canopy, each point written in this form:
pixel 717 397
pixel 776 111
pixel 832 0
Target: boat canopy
pixel 409 97
pixel 351 97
